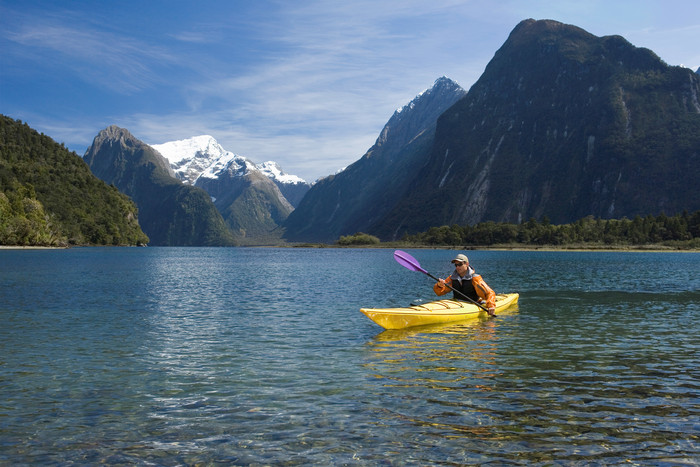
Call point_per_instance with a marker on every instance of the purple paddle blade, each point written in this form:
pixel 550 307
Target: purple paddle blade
pixel 408 261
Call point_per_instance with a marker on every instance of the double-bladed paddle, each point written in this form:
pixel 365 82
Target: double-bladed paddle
pixel 409 262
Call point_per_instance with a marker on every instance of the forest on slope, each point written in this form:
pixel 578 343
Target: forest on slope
pixel 49 197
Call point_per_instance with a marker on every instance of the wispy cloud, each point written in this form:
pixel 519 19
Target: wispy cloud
pixel 335 75
pixel 308 84
pixel 99 57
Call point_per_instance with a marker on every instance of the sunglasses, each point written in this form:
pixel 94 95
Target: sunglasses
pixel 457 263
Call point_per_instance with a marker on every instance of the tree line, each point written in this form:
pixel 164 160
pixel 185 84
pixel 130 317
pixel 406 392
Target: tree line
pixel 679 231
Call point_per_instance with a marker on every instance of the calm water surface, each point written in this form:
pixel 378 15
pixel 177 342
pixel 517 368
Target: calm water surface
pixel 182 356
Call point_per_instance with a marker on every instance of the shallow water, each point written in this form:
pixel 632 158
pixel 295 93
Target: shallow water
pixel 173 356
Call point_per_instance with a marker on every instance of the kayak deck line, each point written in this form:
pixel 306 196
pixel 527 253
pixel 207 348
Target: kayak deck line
pixel 439 311
pixel 436 302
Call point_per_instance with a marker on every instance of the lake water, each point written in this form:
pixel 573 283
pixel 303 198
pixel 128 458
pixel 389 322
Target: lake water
pixel 184 356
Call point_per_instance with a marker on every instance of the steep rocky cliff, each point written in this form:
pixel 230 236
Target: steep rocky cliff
pixel 364 192
pixel 561 124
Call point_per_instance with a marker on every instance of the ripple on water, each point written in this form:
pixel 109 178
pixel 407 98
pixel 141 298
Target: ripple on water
pixel 260 356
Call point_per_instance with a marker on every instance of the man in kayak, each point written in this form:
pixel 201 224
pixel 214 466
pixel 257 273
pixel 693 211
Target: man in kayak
pixel 465 280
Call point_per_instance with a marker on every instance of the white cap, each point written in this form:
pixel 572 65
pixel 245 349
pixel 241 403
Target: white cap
pixel 460 259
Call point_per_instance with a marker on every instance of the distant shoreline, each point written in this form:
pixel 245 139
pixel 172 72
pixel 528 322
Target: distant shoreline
pixel 391 245
pixel 395 245
pixel 21 247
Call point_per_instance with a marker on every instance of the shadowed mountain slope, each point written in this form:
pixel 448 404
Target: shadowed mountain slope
pixel 170 212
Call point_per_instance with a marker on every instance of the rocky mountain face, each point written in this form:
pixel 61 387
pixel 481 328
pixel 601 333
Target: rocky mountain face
pixel 362 194
pixel 202 156
pixel 293 188
pixel 170 212
pixel 253 200
pixel 561 124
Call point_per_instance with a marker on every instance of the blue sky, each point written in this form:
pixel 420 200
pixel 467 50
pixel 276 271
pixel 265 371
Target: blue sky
pixel 308 84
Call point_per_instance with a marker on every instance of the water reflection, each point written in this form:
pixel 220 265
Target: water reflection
pixel 464 328
pixel 445 372
pixel 514 390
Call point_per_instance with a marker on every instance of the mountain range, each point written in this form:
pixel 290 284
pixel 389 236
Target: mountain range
pixel 170 212
pixel 253 199
pixel 562 124
pixel 193 191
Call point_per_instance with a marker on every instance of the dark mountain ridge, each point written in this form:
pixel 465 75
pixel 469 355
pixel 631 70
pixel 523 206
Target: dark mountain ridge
pixel 365 191
pixel 561 124
pixel 170 212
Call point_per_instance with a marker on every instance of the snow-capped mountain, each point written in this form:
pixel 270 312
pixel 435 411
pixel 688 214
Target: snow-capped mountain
pixel 253 200
pixel 272 170
pixel 200 155
pixel 203 157
pixel 292 187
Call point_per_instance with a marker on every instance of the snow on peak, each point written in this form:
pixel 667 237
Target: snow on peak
pixel 228 163
pixel 203 156
pixel 273 171
pixel 192 157
pixel 440 83
pixel 178 151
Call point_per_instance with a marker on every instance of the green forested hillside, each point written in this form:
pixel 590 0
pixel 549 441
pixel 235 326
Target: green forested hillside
pixel 49 197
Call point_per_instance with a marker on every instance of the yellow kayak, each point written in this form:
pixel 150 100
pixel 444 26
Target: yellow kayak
pixel 440 311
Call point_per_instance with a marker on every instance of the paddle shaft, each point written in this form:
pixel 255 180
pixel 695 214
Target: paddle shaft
pixel 409 262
